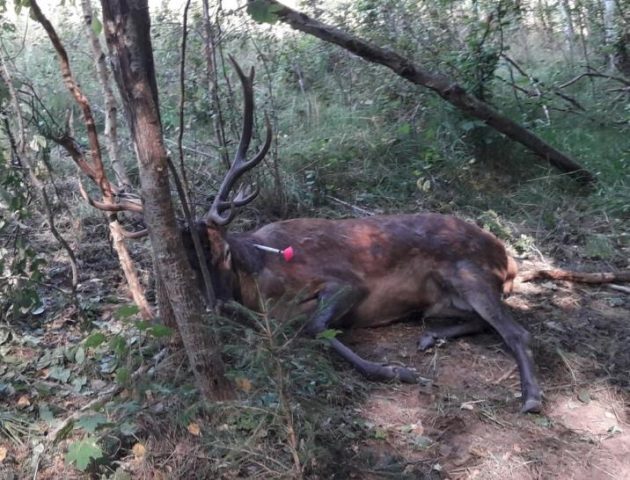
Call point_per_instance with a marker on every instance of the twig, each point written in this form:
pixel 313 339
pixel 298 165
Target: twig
pixel 592 74
pixel 619 288
pixel 505 375
pixel 195 151
pixel 349 205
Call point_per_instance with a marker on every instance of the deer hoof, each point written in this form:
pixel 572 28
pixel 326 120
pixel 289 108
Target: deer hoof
pixel 426 341
pixel 405 375
pixel 532 405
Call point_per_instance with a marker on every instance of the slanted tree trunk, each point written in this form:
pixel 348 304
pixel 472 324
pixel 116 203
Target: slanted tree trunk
pixel 127 25
pixel 444 86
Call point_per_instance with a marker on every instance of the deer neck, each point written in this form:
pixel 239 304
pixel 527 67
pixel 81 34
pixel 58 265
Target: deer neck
pixel 247 262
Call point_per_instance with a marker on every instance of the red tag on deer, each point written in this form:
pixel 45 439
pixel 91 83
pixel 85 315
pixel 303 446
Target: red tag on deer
pixel 287 253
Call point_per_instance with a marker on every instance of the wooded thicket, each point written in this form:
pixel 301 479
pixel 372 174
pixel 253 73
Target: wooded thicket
pixel 514 114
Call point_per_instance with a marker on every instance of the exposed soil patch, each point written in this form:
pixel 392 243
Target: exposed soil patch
pixel 466 423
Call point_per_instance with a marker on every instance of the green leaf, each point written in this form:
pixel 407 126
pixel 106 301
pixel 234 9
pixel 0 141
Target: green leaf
pixel 380 434
pixel 60 373
pixel 122 375
pixel 45 413
pixel 90 423
pixel 328 334
pixel 126 311
pixel 143 325
pixel 262 12
pixel 94 340
pixel 97 26
pixel 118 345
pixel 78 383
pixel 83 452
pixel 404 129
pixel 79 355
pixel 128 429
pixel 420 441
pixel 160 331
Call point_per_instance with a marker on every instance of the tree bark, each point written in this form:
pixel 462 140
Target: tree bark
pixel 444 86
pixel 127 26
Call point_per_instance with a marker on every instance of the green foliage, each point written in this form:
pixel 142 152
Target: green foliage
pixel 90 423
pixel 83 452
pixel 263 12
pixel 20 264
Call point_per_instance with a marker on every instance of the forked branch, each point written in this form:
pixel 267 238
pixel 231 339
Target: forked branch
pixel 93 167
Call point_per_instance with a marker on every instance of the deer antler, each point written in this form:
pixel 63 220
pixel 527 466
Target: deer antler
pixel 223 210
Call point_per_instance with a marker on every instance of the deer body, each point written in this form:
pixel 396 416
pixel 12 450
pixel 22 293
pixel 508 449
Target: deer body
pixel 398 264
pixel 373 271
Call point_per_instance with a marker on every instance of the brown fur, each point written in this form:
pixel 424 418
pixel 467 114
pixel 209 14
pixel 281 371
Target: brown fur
pixel 401 262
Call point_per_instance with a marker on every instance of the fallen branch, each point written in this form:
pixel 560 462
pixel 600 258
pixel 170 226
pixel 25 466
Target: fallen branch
pixel 581 277
pixel 619 288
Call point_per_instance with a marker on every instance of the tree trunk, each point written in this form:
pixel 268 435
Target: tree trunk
pixel 444 86
pixel 127 32
pixel 569 29
pixel 212 79
pixel 610 31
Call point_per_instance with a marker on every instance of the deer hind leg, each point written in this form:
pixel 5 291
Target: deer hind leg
pixel 334 302
pixel 486 301
pixel 472 324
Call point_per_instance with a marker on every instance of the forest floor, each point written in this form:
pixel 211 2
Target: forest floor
pixel 463 424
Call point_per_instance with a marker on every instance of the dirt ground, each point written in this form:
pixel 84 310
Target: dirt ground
pixel 466 423
pixel 463 423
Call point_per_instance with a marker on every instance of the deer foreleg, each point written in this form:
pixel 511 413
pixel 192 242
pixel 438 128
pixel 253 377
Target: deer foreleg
pixel 333 303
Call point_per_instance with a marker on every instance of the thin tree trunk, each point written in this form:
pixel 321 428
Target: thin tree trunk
pixel 127 26
pixel 444 86
pixel 111 139
pixel 212 79
pixel 569 29
pixel 610 31
pixel 111 120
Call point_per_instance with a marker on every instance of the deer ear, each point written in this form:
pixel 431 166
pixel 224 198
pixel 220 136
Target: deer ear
pixel 221 253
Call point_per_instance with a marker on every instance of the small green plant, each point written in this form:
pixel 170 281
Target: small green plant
pixel 20 264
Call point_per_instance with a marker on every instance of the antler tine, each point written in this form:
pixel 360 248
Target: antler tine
pixel 222 211
pixel 247 83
